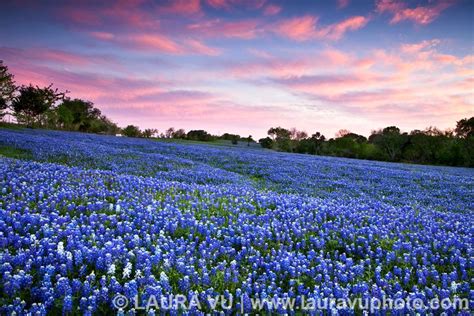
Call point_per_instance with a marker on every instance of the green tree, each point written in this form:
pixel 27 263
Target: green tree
pixel 131 131
pixel 281 138
pixel 266 142
pixel 390 142
pixel 465 128
pixel 7 88
pixel 77 115
pixel 200 135
pixel 235 139
pixel 149 132
pixel 179 134
pixel 33 102
pixel 169 132
pixel 249 140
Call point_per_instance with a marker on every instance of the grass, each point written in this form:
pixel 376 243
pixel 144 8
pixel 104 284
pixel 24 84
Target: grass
pixel 12 152
pixel 11 126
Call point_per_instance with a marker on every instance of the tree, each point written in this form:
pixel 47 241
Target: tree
pixel 33 101
pixel 356 137
pixel 77 115
pixel 249 140
pixel 281 138
pixel 312 145
pixel 169 132
pixel 390 141
pixel 149 132
pixel 465 128
pixel 297 135
pixel 179 134
pixel 266 142
pixel 7 88
pixel 131 131
pixel 342 132
pixel 200 135
pixel 104 125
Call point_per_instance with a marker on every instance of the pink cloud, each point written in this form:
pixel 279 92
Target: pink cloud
pixel 150 103
pixel 103 36
pixel 270 66
pixel 153 42
pixel 341 4
pixel 306 27
pixel 57 57
pixel 130 14
pixel 120 14
pixel 337 30
pixel 218 4
pixel 271 9
pixel 299 28
pixel 200 48
pixel 79 16
pixel 421 46
pixel 156 42
pixel 244 29
pixel 421 15
pixel 230 4
pixel 84 85
pixel 183 7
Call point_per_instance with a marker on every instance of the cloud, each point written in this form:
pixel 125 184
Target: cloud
pixel 271 9
pixel 155 42
pixel 406 82
pixel 337 30
pixel 421 15
pixel 232 4
pixel 267 65
pixel 341 4
pixel 202 49
pixel 412 48
pixel 181 7
pixel 57 57
pixel 244 29
pixel 306 27
pixel 298 28
pixel 152 42
pixel 103 36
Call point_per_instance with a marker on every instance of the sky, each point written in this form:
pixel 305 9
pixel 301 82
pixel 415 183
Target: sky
pixel 243 66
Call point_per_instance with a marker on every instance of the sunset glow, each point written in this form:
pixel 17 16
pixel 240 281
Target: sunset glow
pixel 244 66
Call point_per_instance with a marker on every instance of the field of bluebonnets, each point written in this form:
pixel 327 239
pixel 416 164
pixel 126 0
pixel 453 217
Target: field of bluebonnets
pixel 84 217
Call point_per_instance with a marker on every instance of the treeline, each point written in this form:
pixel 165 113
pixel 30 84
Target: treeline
pixel 429 146
pixel 172 133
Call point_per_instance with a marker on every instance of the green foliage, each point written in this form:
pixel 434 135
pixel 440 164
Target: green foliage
pixel 131 131
pixel 465 128
pixel 200 135
pixel 430 146
pixel 266 142
pixel 281 138
pixel 77 114
pixel 33 102
pixel 390 141
pixel 179 134
pixel 7 88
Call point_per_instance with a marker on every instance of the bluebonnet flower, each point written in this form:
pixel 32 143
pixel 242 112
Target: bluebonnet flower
pixel 179 217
